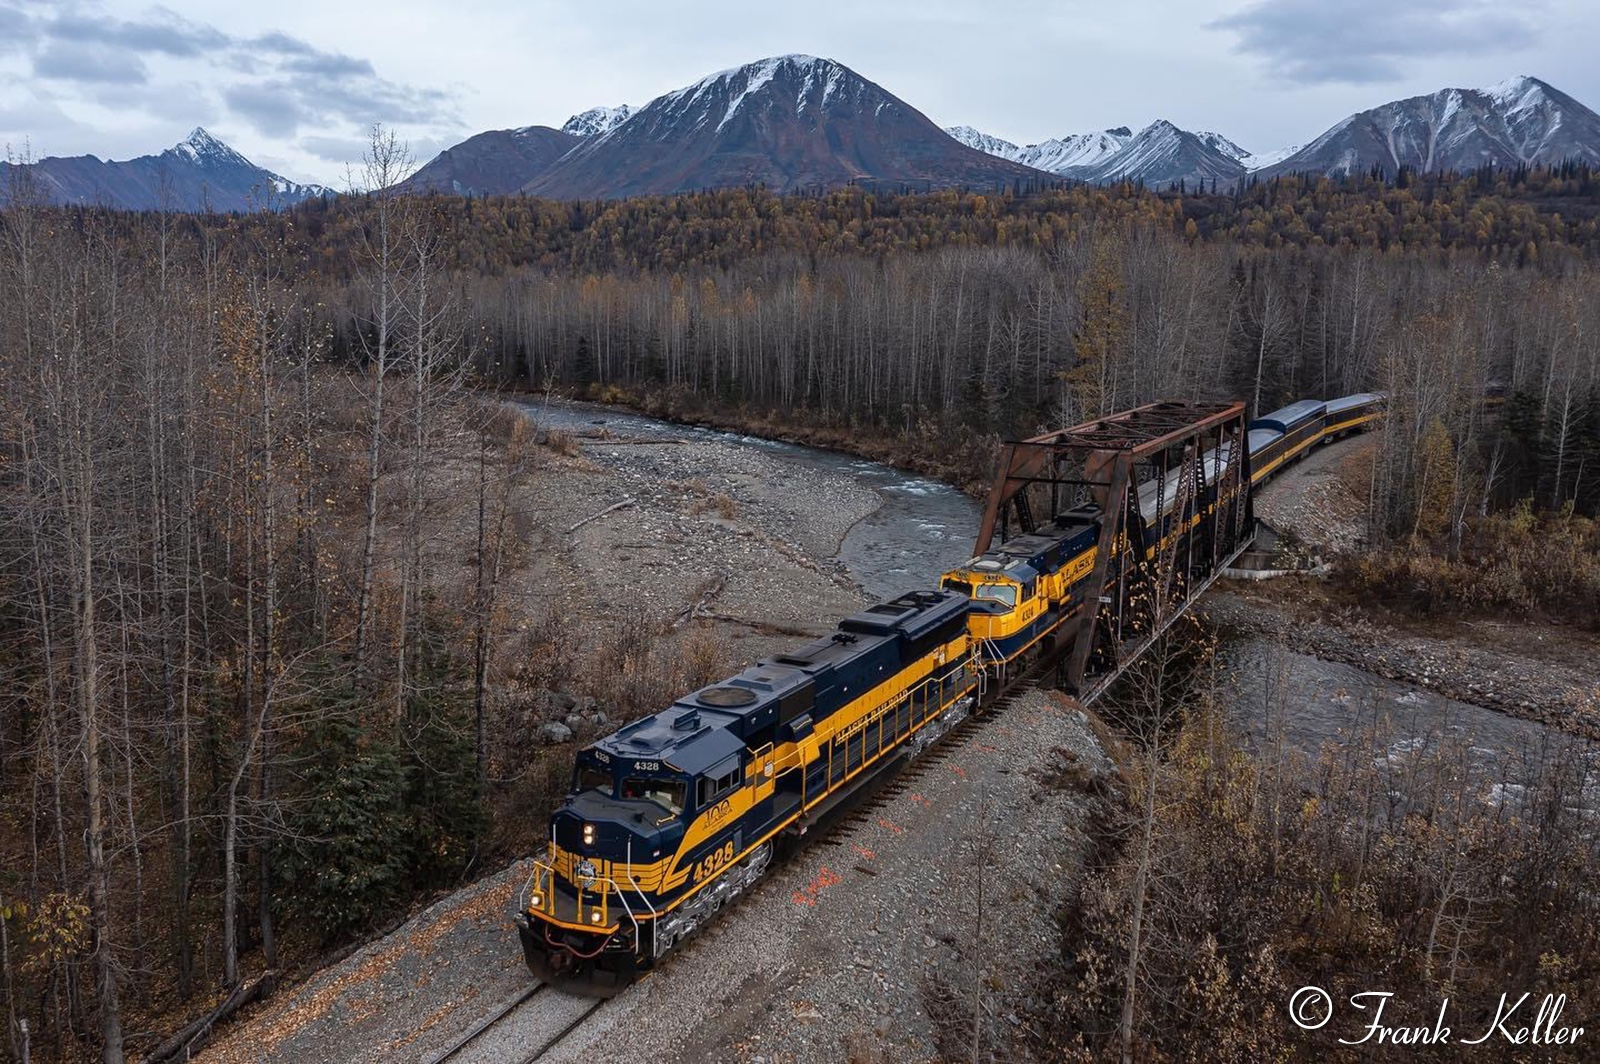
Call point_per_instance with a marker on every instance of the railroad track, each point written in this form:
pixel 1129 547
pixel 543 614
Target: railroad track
pixel 546 1032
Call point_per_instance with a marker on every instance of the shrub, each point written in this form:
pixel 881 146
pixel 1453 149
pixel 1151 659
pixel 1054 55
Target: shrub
pixel 1521 563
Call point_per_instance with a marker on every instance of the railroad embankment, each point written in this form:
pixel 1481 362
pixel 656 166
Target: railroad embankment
pixel 885 939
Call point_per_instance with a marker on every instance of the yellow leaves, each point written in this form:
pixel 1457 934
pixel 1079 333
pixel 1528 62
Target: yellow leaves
pixel 1103 329
pixel 1554 968
pixel 1436 491
pixel 58 932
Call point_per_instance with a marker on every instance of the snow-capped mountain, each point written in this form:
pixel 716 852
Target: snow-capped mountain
pixel 495 163
pixel 1056 156
pixel 1162 155
pixel 597 120
pixel 1251 161
pixel 1522 120
pixel 1222 144
pixel 1261 161
pixel 1067 154
pixel 200 172
pixel 981 141
pixel 788 122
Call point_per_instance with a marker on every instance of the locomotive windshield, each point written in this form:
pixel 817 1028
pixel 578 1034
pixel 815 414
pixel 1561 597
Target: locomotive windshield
pixel 1002 593
pixel 667 793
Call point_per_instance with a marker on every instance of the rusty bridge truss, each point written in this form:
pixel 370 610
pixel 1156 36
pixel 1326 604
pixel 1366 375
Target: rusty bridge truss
pixel 1171 484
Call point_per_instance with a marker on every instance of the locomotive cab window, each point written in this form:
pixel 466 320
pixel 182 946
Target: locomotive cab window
pixel 952 584
pixel 669 794
pixel 593 779
pixel 712 788
pixel 1004 594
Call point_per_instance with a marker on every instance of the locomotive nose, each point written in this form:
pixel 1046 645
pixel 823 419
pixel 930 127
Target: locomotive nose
pixel 613 829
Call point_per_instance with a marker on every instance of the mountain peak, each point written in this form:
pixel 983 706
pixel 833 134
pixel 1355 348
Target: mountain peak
pixel 1520 121
pixel 1518 92
pixel 198 173
pixel 984 142
pixel 202 148
pixel 801 80
pixel 787 122
pixel 1066 155
pixel 1223 144
pixel 770 65
pixel 597 120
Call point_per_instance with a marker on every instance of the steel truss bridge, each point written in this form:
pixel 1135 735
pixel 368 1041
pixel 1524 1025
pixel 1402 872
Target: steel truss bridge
pixel 1172 484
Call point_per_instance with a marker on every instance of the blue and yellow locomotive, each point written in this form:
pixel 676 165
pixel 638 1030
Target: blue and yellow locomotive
pixel 675 815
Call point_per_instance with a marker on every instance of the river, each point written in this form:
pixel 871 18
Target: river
pixel 920 530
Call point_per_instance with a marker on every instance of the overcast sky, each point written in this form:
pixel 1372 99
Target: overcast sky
pixel 293 84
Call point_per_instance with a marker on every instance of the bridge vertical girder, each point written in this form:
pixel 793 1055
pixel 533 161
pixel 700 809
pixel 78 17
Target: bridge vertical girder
pixel 1154 458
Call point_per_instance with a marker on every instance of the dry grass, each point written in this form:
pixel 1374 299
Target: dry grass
pixel 1519 564
pixel 720 502
pixel 561 442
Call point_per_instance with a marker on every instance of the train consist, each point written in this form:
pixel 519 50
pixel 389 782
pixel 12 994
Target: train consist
pixel 673 816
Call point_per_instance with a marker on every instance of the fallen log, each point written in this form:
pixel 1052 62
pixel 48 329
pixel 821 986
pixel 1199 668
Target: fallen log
pixel 697 609
pixel 595 517
pixel 182 1045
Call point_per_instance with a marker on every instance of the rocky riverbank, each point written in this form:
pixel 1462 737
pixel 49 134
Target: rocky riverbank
pixel 1537 673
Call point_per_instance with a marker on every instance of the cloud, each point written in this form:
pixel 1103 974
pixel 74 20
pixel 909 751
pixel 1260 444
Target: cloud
pixel 94 64
pixel 275 82
pixel 164 34
pixel 16 30
pixel 1364 41
pixel 330 65
pixel 334 149
pixel 273 112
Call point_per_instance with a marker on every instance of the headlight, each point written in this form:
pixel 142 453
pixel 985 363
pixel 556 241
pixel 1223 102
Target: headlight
pixel 594 917
pixel 537 901
pixel 588 834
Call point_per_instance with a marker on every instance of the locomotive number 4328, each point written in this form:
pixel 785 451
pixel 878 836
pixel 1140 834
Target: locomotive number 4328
pixel 712 862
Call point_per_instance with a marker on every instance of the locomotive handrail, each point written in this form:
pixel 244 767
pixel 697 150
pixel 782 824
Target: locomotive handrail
pixel 541 881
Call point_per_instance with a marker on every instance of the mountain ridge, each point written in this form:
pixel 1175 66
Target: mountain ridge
pixel 493 163
pixel 198 173
pixel 798 122
pixel 788 122
pixel 1519 121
